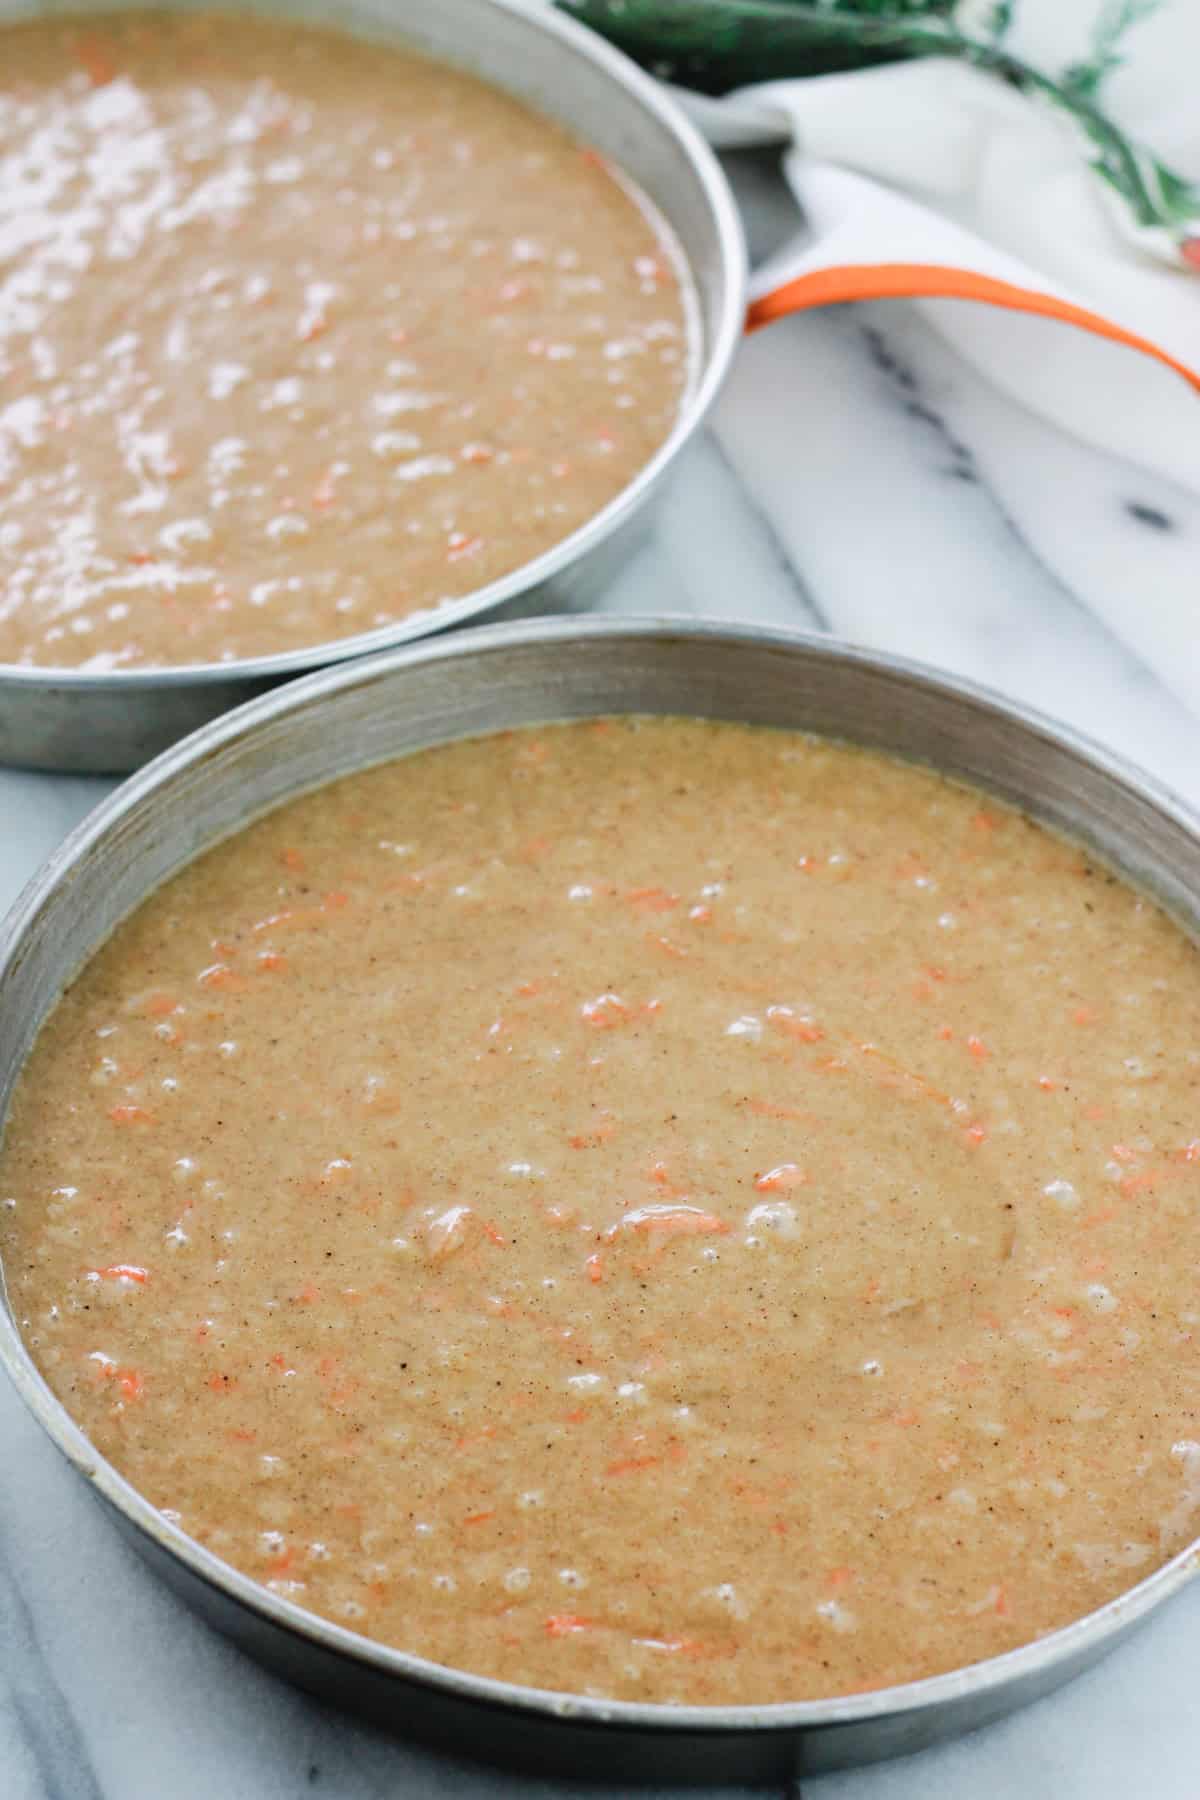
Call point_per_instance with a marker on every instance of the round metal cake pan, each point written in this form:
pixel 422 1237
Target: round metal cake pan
pixel 342 719
pixel 77 721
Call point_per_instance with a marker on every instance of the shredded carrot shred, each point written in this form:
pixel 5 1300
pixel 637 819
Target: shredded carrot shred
pixel 652 899
pixel 632 1465
pixel 669 1219
pixel 786 1175
pixel 130 1115
pixel 95 59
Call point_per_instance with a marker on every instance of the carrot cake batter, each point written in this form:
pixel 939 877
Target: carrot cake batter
pixel 657 1209
pixel 299 336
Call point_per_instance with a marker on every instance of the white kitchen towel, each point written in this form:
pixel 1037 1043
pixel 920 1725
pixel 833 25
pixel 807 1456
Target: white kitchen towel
pixel 938 181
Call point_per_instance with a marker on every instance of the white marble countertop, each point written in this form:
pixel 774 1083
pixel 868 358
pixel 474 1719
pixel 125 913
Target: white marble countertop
pixel 858 479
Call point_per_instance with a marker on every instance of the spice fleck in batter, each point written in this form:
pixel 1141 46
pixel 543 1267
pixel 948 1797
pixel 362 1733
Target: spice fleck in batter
pixel 299 336
pixel 650 1208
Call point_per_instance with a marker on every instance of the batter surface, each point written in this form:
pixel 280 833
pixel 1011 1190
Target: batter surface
pixel 656 1209
pixel 298 336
